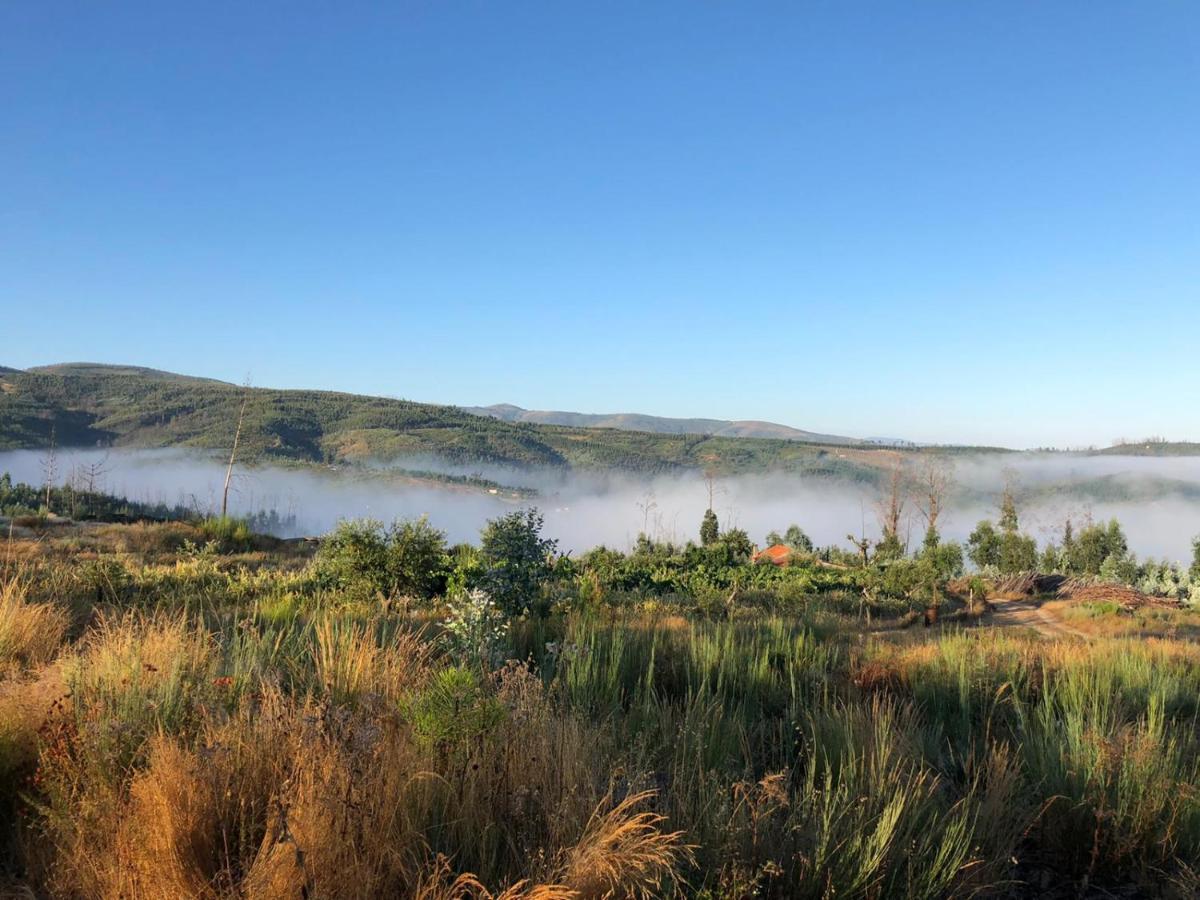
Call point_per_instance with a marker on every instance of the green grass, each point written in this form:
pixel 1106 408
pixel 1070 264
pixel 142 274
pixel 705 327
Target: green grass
pixel 795 755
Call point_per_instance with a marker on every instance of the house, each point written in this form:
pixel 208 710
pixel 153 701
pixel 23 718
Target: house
pixel 776 554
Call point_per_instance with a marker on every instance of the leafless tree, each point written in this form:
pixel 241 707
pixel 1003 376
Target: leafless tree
pixel 91 473
pixel 890 507
pixel 710 481
pixel 237 438
pixel 647 505
pixel 50 466
pixel 934 481
pixel 863 546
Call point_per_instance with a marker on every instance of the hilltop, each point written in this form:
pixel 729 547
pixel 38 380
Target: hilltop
pixel 659 424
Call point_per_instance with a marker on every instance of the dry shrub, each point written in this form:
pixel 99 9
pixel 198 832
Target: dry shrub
pixel 168 839
pixel 30 633
pixel 623 853
pixel 150 539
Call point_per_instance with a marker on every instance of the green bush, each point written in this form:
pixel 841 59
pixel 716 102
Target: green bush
pixel 516 559
pixel 407 560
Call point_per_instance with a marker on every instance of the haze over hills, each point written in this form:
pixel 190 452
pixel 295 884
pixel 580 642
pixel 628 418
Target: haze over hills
pixel 93 405
pixel 659 424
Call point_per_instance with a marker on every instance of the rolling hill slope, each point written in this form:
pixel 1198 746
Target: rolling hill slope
pixel 86 404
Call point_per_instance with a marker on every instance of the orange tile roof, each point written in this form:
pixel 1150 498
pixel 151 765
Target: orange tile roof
pixel 776 553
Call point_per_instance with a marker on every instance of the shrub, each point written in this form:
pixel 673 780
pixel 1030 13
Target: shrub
pixel 230 534
pixel 455 708
pixel 516 559
pixel 407 560
pixel 475 629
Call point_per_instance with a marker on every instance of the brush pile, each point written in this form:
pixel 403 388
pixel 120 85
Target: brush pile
pixel 1082 591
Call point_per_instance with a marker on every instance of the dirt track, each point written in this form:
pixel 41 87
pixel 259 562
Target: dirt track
pixel 1027 614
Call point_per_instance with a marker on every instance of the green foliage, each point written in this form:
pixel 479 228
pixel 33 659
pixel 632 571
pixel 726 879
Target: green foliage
pixel 20 499
pixel 794 537
pixel 737 546
pixel 230 534
pixel 418 564
pixel 983 546
pixel 409 559
pixel 1018 553
pixel 454 709
pixel 516 559
pixel 945 559
pixel 889 547
pixel 1100 549
pixel 710 528
pixel 1008 551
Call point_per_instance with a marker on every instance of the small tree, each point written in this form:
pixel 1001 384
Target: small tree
pixel 739 545
pixel 407 560
pixel 795 538
pixel 417 561
pixel 983 546
pixel 355 554
pixel 710 529
pixel 516 559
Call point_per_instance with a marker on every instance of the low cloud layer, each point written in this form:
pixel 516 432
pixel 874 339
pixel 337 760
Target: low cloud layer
pixel 585 510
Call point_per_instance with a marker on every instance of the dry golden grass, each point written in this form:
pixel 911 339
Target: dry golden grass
pixel 292 801
pixel 623 853
pixel 30 633
pixel 1108 620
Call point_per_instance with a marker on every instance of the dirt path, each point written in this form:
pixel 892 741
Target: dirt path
pixel 1027 614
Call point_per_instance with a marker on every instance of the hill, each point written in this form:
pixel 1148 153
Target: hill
pixel 1153 448
pixel 657 424
pixel 85 404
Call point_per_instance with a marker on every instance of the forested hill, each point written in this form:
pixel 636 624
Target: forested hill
pixel 124 406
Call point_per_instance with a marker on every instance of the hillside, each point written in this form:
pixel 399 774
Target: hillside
pixel 1153 448
pixel 94 405
pixel 657 424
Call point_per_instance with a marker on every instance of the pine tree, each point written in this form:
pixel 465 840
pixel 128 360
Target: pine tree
pixel 710 529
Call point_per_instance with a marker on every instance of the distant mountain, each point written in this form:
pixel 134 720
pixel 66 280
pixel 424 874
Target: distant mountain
pixel 658 424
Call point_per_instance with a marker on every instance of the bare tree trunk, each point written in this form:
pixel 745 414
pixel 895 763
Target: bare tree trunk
pixel 237 437
pixel 50 466
pixel 891 506
pixel 936 480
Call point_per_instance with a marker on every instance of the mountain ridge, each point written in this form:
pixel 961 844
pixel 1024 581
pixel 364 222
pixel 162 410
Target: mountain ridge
pixel 738 428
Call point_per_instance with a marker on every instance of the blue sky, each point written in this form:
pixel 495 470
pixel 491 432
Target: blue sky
pixel 939 220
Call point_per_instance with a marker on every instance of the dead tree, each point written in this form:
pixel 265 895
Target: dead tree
pixel 50 467
pixel 890 507
pixel 934 483
pixel 863 546
pixel 237 437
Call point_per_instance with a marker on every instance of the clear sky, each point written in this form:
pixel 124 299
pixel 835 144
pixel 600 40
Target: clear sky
pixel 946 221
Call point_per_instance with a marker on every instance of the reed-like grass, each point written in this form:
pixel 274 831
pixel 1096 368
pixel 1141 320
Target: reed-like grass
pixel 30 633
pixel 232 732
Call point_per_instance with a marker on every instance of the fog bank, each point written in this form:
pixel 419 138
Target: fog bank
pixel 583 510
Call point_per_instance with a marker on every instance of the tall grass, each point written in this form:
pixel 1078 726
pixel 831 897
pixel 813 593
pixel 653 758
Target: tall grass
pixel 30 633
pixel 231 733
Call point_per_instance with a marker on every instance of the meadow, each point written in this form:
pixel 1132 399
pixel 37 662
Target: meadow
pixel 191 710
